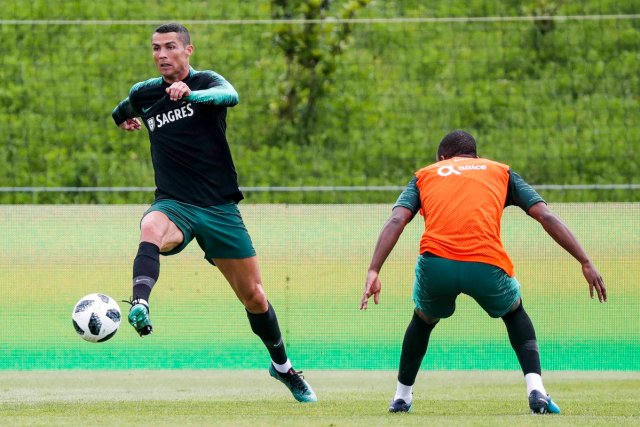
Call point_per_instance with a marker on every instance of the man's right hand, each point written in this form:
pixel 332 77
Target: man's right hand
pixel 130 125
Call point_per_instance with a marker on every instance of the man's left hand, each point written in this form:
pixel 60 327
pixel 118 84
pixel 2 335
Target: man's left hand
pixel 178 90
pixel 371 287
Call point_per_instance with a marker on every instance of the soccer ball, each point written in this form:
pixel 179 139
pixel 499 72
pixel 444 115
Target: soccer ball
pixel 96 317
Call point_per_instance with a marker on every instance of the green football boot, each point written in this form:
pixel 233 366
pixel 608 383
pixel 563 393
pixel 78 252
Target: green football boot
pixel 295 382
pixel 139 316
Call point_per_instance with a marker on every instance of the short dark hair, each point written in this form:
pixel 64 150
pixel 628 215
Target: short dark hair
pixel 457 143
pixel 174 27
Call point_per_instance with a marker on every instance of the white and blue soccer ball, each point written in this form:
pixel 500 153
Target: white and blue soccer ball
pixel 96 317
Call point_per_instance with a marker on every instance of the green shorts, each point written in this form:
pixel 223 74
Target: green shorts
pixel 219 230
pixel 439 281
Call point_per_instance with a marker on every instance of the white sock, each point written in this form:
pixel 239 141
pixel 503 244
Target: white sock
pixel 534 382
pixel 142 301
pixel 403 392
pixel 284 368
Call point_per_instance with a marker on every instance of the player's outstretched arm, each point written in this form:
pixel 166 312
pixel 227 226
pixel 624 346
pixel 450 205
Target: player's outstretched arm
pixel 559 231
pixel 387 240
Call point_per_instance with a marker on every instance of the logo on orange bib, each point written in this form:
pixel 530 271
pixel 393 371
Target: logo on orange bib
pixel 447 170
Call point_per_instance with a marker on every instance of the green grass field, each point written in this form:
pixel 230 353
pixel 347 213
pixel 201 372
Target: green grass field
pixel 314 260
pixel 346 398
pixel 203 366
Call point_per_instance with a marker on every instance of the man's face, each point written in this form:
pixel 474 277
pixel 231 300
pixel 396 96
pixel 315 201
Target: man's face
pixel 171 56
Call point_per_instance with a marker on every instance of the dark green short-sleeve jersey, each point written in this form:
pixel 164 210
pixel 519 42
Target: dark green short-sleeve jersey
pixel 519 194
pixel 410 197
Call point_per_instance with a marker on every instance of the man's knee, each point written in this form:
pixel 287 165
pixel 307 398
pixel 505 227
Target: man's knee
pixel 151 230
pixel 514 307
pixel 157 228
pixel 426 318
pixel 255 301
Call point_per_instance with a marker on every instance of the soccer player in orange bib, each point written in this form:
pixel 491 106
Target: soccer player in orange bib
pixel 461 198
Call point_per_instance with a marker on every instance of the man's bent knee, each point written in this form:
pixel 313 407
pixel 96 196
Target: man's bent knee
pixel 157 228
pixel 515 306
pixel 427 319
pixel 256 302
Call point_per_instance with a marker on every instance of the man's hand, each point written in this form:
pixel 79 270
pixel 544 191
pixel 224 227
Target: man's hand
pixel 372 287
pixel 178 90
pixel 130 125
pixel 595 281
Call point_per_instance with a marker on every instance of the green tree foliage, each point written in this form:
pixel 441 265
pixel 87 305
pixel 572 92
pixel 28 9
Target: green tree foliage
pixel 312 52
pixel 328 104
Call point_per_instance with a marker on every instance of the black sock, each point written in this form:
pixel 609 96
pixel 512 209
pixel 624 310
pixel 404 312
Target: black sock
pixel 414 347
pixel 146 270
pixel 265 326
pixel 523 340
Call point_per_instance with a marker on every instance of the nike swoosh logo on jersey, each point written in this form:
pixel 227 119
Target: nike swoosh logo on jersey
pixel 144 110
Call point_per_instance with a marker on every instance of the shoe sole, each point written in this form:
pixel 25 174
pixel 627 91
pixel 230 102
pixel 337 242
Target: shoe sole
pixel 399 411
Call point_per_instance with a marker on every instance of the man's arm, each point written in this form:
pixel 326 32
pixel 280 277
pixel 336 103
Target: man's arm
pixel 559 231
pixel 125 116
pixel 220 92
pixel 391 231
pixel 405 208
pixel 123 111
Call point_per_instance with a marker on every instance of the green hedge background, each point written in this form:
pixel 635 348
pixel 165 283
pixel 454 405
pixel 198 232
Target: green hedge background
pixel 557 100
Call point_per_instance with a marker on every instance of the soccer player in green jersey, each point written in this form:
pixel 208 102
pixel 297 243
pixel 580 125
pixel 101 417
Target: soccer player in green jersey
pixel 184 111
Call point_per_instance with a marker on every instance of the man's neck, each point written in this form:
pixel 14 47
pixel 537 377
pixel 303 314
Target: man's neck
pixel 180 78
